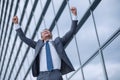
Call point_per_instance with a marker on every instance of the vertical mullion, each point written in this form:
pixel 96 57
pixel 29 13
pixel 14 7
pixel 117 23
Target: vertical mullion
pixel 16 35
pixel 62 7
pixel 3 3
pixel 28 23
pixel 12 23
pixel 37 27
pixel 100 51
pixel 30 34
pixel 43 15
pixel 4 37
pixel 2 28
pixel 78 52
pixel 55 20
pixel 7 28
pixel 16 41
pixel 2 54
pixel 4 24
pixel 0 16
pixel 4 19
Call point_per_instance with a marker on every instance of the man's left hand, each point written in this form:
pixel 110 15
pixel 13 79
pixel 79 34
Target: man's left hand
pixel 74 10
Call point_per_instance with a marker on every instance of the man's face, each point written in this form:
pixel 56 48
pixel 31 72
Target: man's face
pixel 46 34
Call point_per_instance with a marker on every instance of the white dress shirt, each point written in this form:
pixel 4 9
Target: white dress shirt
pixel 55 58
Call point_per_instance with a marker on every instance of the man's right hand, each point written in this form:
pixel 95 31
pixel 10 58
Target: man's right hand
pixel 15 20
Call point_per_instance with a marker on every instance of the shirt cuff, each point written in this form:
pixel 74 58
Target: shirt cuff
pixel 74 17
pixel 17 26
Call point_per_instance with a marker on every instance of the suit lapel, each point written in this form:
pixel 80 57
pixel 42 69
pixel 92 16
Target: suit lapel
pixel 38 47
pixel 56 49
pixel 61 55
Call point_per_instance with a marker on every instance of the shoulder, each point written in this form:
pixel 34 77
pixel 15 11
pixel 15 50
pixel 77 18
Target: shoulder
pixel 39 41
pixel 57 40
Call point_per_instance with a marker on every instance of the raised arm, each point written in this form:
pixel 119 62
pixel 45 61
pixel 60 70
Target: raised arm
pixel 71 32
pixel 20 33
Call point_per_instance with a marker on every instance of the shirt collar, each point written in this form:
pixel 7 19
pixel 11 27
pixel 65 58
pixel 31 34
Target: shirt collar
pixel 48 40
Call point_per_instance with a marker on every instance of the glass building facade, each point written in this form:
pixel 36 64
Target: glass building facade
pixel 94 50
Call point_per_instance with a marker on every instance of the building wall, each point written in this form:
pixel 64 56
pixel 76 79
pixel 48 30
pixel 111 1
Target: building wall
pixel 94 50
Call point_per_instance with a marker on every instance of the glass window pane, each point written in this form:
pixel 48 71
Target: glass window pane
pixel 81 5
pixel 64 23
pixel 55 32
pixel 77 76
pixel 49 16
pixel 112 59
pixel 87 40
pixel 94 70
pixel 72 54
pixel 57 4
pixel 107 18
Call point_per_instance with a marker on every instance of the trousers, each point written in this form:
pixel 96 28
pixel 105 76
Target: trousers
pixel 50 75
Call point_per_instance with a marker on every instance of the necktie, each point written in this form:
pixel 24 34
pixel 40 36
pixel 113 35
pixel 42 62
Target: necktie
pixel 49 57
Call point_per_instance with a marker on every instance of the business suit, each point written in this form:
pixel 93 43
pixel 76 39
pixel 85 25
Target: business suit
pixel 58 43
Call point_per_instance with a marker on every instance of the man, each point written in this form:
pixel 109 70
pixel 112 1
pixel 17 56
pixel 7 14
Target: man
pixel 51 61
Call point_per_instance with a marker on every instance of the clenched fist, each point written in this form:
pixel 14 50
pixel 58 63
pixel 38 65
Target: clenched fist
pixel 74 10
pixel 15 20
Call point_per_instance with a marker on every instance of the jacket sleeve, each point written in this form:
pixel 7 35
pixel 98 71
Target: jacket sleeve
pixel 28 41
pixel 70 33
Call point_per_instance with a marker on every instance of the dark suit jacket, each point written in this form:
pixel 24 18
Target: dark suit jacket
pixel 58 43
